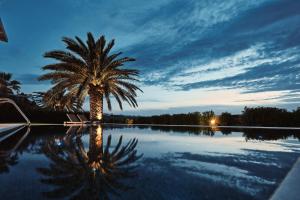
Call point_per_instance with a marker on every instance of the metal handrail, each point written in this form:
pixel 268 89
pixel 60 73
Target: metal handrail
pixel 7 100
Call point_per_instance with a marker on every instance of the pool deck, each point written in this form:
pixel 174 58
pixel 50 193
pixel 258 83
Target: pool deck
pixel 289 187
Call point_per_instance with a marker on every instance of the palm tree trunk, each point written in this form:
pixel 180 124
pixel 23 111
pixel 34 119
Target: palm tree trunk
pixel 96 105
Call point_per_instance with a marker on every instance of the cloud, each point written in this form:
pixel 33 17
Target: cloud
pixel 254 47
pixel 255 70
pixel 180 46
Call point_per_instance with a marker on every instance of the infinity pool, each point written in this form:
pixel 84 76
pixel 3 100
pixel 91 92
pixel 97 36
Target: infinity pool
pixel 143 162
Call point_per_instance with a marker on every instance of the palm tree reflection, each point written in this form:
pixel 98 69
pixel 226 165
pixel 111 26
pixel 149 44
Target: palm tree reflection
pixel 7 160
pixel 93 174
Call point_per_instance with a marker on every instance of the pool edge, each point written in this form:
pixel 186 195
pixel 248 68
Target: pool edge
pixel 289 187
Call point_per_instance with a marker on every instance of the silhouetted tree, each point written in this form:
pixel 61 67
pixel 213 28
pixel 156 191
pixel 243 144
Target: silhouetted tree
pixel 57 101
pixel 266 116
pixel 226 119
pixel 7 86
pixel 206 117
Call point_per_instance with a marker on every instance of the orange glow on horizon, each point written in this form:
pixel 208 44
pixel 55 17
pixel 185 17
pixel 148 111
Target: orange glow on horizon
pixel 213 122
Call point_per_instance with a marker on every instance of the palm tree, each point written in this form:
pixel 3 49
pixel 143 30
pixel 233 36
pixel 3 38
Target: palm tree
pixel 3 36
pixel 90 70
pixel 57 101
pixel 7 86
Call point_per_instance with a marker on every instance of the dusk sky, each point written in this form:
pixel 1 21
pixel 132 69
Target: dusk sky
pixel 193 55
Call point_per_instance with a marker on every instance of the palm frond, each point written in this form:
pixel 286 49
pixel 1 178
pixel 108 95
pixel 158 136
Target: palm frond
pixel 87 66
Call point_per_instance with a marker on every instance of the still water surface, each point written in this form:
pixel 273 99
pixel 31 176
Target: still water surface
pixel 120 162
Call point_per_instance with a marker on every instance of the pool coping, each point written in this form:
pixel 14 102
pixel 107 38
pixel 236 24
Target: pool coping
pixel 289 187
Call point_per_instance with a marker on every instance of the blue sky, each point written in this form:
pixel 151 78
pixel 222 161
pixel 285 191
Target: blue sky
pixel 193 55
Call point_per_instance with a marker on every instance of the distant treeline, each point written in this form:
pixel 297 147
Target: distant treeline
pixel 258 116
pixel 194 118
pixel 269 116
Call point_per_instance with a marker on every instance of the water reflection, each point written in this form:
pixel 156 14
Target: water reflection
pixel 96 173
pixel 85 163
pixel 248 134
pixel 8 154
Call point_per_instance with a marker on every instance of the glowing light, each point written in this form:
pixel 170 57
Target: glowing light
pixel 213 122
pixel 99 116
